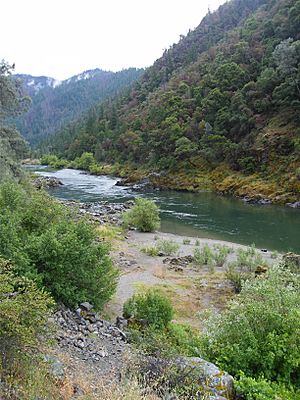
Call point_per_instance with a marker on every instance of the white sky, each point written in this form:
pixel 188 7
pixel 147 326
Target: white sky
pixel 61 38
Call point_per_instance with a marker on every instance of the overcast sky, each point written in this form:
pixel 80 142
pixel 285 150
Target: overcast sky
pixel 61 38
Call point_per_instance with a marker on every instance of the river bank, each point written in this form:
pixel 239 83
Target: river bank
pixel 271 188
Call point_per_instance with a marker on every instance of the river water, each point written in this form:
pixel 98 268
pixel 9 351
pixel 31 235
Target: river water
pixel 203 214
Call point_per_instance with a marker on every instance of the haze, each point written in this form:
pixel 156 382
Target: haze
pixel 60 38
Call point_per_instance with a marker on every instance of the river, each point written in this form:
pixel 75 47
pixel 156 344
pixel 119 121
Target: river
pixel 202 214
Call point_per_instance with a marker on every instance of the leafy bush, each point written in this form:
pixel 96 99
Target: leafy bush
pixel 85 161
pixel 144 215
pixel 46 243
pixel 261 389
pixel 53 161
pixel 186 241
pixel 259 332
pixel 152 307
pixel 168 247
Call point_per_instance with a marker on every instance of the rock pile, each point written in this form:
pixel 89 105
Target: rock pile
pixel 84 334
pixel 101 211
pixel 46 182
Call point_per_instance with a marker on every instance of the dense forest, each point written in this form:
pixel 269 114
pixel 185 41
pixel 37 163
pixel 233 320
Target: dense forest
pixel 55 103
pixel 226 96
pixel 12 145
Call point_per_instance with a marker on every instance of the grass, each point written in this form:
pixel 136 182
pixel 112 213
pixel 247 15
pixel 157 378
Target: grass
pixel 164 246
pixel 110 232
pixel 150 250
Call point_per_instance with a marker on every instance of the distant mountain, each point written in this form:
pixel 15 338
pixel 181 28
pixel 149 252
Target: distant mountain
pixel 56 103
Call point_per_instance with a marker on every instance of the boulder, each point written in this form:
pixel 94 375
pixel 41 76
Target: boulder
pixel 86 306
pixel 215 381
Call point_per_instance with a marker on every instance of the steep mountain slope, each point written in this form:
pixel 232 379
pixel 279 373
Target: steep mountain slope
pixel 220 108
pixel 55 103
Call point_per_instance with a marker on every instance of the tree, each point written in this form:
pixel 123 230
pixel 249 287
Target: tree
pixel 12 146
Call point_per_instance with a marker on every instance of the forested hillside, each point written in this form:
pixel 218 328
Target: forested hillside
pixel 225 99
pixel 12 146
pixel 55 103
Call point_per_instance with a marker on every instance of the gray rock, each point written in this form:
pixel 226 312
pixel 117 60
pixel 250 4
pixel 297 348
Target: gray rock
pixel 56 367
pixel 218 382
pixel 294 205
pixel 86 306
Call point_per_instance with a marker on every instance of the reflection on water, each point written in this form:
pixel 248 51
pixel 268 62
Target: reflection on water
pixel 203 214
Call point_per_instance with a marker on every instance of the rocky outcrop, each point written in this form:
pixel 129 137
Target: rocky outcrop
pixel 215 382
pixel 46 182
pixel 199 377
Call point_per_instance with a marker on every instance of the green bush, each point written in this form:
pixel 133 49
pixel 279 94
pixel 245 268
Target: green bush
pixel 261 389
pixel 46 243
pixel 152 307
pixel 259 332
pixel 53 161
pixel 167 247
pixel 85 161
pixel 144 216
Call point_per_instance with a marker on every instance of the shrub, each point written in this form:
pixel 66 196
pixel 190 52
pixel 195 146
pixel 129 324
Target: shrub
pixel 144 215
pixel 44 241
pixel 261 389
pixel 203 256
pixel 221 254
pixel 259 332
pixel 85 161
pixel 186 241
pixel 244 267
pixel 152 307
pixel 53 161
pixel 167 247
pixel 150 250
pixel 73 265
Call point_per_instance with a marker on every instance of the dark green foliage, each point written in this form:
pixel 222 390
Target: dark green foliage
pixel 144 215
pixel 151 307
pixel 261 389
pixel 45 243
pixel 259 332
pixel 12 146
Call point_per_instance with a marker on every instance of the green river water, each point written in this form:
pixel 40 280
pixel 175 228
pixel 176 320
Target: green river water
pixel 202 215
